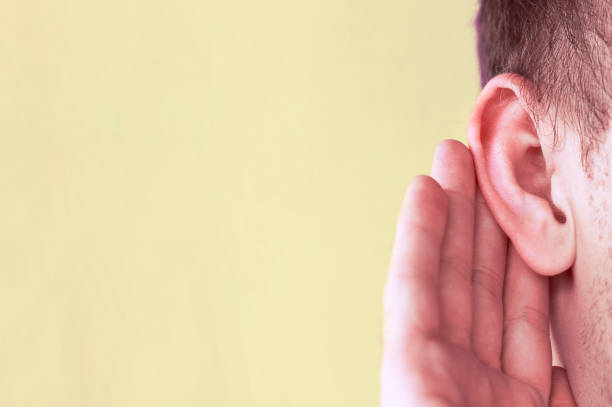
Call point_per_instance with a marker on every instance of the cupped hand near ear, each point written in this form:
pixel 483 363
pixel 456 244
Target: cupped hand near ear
pixel 466 321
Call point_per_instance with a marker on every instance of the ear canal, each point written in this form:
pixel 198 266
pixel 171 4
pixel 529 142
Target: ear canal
pixel 558 214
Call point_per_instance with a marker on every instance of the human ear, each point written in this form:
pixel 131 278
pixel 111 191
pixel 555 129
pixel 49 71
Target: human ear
pixel 517 176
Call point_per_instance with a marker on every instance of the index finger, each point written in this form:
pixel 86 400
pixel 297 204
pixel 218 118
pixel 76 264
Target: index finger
pixel 411 293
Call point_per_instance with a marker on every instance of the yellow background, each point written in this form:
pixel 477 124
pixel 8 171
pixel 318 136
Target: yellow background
pixel 198 198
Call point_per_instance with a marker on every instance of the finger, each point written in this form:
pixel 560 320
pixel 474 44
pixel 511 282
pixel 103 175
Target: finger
pixel 453 168
pixel 411 295
pixel 560 391
pixel 526 352
pixel 488 269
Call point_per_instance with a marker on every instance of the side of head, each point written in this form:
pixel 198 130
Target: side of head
pixel 539 134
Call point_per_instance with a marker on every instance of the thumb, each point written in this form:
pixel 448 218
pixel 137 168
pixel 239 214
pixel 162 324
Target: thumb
pixel 560 392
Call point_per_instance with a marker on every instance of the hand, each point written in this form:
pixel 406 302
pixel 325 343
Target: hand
pixel 466 321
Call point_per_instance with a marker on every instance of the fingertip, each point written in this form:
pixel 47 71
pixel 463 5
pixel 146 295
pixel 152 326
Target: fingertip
pixel 425 193
pixel 454 150
pixel 425 206
pixel 453 166
pixel 425 184
pixel 451 145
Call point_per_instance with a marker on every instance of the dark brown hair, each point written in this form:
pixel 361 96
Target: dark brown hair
pixel 563 48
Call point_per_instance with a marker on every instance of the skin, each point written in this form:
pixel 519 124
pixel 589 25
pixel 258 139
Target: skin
pixel 503 240
pixel 581 301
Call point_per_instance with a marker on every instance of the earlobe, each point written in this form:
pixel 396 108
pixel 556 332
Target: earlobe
pixel 517 176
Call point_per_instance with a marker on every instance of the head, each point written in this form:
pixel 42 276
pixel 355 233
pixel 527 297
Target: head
pixel 540 137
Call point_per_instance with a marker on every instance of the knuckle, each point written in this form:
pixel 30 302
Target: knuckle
pixel 527 316
pixel 460 199
pixel 480 200
pixel 458 264
pixel 487 280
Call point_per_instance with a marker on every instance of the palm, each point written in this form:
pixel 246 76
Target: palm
pixel 466 321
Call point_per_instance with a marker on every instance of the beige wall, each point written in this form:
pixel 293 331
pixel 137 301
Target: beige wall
pixel 197 198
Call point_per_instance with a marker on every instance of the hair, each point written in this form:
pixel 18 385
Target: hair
pixel 563 48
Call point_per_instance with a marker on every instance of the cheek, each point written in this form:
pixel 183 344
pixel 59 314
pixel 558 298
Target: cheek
pixel 597 227
pixel 581 300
